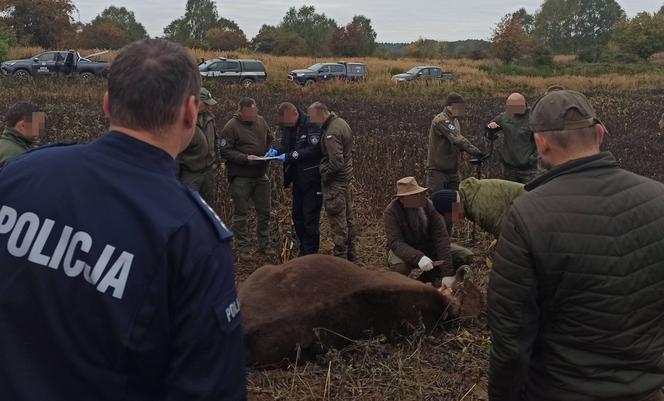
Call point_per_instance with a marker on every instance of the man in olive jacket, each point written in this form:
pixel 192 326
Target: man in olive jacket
pixel 244 139
pixel 336 171
pixel 197 164
pixel 445 146
pixel 416 234
pixel 575 297
pixel 25 123
pixel 518 153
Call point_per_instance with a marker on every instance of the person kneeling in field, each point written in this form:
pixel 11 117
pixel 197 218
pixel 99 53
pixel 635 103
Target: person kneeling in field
pixel 417 236
pixel 484 202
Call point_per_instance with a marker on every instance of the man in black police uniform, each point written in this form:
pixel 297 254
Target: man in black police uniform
pixel 117 281
pixel 300 151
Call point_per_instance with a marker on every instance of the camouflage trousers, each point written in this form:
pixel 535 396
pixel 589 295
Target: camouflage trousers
pixel 522 176
pixel 338 203
pixel 204 182
pixel 244 192
pixel 438 180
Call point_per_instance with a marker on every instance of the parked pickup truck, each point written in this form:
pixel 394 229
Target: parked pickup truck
pixel 61 63
pixel 244 72
pixel 424 73
pixel 329 71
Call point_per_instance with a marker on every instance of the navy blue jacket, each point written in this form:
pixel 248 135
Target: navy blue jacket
pixel 302 147
pixel 116 282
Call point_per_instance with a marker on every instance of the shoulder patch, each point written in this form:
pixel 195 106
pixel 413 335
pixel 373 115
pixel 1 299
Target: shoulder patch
pixel 451 127
pixel 220 228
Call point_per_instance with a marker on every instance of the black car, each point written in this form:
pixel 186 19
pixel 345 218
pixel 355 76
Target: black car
pixel 244 72
pixel 329 71
pixel 425 73
pixel 60 63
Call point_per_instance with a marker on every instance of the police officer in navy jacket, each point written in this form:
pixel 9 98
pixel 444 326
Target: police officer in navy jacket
pixel 117 282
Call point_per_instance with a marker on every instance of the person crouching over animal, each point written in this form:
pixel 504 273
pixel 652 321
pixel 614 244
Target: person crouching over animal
pixel 417 236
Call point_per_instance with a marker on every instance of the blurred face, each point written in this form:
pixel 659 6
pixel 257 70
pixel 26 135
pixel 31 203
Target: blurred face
pixel 316 117
pixel 515 105
pixel 458 109
pixel 416 201
pixel 249 114
pixel 289 119
pixel 33 127
pixel 202 107
pixel 457 213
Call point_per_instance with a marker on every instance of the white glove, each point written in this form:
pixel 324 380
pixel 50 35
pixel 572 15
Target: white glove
pixel 449 281
pixel 425 264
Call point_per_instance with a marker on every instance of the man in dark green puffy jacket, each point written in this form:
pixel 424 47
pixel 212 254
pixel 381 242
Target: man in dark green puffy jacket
pixel 575 296
pixel 25 123
pixel 518 153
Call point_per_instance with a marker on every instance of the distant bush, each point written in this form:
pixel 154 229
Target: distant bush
pixel 395 70
pixel 541 56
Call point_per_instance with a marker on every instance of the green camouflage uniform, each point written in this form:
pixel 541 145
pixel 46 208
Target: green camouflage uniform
pixel 197 163
pixel 12 144
pixel 336 169
pixel 486 202
pixel 249 183
pixel 445 146
pixel 518 153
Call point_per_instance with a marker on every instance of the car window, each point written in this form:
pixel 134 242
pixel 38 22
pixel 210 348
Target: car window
pixel 213 67
pixel 338 68
pixel 325 69
pixel 231 66
pixel 436 72
pixel 253 66
pixel 357 69
pixel 46 57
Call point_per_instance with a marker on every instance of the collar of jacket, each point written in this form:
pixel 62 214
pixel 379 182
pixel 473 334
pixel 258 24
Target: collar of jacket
pixel 328 121
pixel 241 121
pixel 600 160
pixel 136 152
pixel 15 136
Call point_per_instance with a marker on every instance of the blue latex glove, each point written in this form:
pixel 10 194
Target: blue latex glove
pixel 282 157
pixel 271 153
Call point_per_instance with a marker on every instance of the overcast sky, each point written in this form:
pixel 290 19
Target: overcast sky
pixel 393 20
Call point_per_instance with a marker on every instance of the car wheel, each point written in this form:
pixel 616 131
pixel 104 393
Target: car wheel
pixel 87 76
pixel 22 74
pixel 248 83
pixel 309 82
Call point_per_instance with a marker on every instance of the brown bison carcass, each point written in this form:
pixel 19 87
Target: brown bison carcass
pixel 316 302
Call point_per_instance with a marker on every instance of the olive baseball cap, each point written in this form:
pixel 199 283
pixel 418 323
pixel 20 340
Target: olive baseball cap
pixel 550 111
pixel 206 97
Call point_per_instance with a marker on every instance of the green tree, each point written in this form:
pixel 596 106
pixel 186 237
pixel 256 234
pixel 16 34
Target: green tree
pixel 425 48
pixel 642 35
pixel 289 44
pixel 200 16
pixel 45 23
pixel 316 29
pixel 526 20
pixel 125 20
pixel 4 45
pixel 367 30
pixel 264 40
pixel 510 40
pixel 572 26
pixel 225 39
pixel 103 34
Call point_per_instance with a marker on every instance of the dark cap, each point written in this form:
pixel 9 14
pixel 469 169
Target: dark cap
pixel 550 111
pixel 453 98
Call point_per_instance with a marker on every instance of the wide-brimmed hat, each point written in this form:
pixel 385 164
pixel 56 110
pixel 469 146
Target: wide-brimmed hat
pixel 409 186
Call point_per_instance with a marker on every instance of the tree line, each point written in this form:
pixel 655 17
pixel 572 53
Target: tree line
pixel 590 29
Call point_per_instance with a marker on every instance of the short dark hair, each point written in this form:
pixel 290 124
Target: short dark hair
pixel 246 102
pixel 21 111
pixel 149 81
pixel 284 107
pixel 320 107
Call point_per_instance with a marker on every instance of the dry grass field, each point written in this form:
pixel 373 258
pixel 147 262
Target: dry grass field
pixel 390 125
